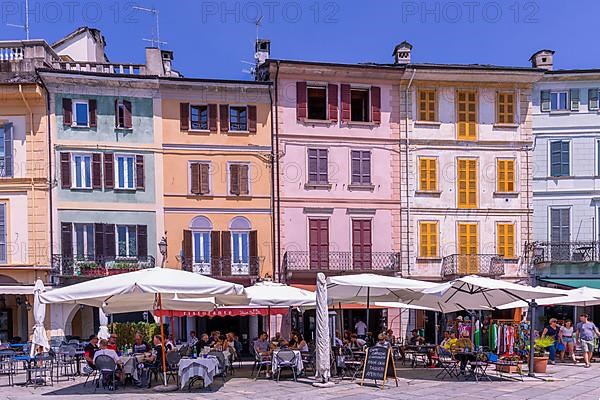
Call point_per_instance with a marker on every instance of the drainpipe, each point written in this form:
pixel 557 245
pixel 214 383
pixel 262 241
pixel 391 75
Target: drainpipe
pixel 273 230
pixel 277 185
pixel 50 180
pixel 406 155
pixel 33 217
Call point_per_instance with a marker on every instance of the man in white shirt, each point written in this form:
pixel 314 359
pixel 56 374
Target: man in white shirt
pixel 105 352
pixel 361 329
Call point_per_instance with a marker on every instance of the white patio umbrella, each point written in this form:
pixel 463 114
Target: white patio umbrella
pixel 39 337
pixel 103 332
pixel 580 297
pixel 323 345
pixel 272 294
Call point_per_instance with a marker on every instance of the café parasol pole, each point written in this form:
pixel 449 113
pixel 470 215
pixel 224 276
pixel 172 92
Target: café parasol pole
pixel 162 338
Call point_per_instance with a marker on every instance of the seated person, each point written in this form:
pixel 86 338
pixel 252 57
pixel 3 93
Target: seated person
pixel 90 349
pixel 415 339
pixel 214 337
pixel 112 342
pixel 299 343
pixel 464 344
pixel 152 362
pixel 278 340
pixel 139 346
pixel 105 351
pixel 338 342
pixel 262 344
pixel 356 343
pixel 445 339
pixel 451 342
pixel 370 339
pixel 390 337
pixel 382 340
pixel 202 343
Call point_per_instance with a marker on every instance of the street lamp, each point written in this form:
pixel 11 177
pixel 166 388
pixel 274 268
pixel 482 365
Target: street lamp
pixel 162 247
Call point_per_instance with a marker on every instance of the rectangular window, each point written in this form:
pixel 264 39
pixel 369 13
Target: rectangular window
pixel 466 104
pixel 506 176
pixel 318 243
pixel 505 240
pixel 200 178
pixel 317 102
pixel 238 118
pixel 123 117
pixel 84 241
pixel 428 239
pixel 125 172
pixel 427 105
pixel 239 179
pixel 560 234
pixel 317 166
pixel 6 150
pixel 559 101
pixel 81 113
pixel 560 158
pixel 82 171
pixel 199 118
pixel 126 240
pixel 361 167
pixel 3 234
pixel 468 248
pixel 505 108
pixel 359 105
pixel 240 245
pixel 467 183
pixel 427 174
pixel 201 248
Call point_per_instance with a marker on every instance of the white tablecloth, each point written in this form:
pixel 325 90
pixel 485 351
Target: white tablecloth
pixel 206 368
pixel 299 364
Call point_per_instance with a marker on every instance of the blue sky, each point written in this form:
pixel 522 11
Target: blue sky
pixel 211 38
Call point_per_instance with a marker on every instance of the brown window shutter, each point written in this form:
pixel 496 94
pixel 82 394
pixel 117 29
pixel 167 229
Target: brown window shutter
pixel 332 101
pixel 252 119
pixel 226 253
pixel 66 239
pixel 110 244
pixel 253 250
pixel 67 109
pixel 99 241
pixel 128 115
pixel 92 109
pixel 116 113
pixel 376 104
pixel 204 179
pixel 96 171
pixel 139 172
pixel 65 170
pixel 224 117
pixel 215 250
pixel 109 171
pixel 345 96
pixel 184 116
pixel 195 178
pixel 142 241
pixel 244 184
pixel 212 117
pixel 234 179
pixel 186 248
pixel 301 104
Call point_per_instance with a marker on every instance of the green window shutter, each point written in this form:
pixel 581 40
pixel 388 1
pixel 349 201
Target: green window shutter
pixel 593 99
pixel 574 97
pixel 545 100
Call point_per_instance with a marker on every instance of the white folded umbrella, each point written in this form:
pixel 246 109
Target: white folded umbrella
pixel 581 297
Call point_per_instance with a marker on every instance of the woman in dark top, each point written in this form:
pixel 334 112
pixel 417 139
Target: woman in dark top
pixel 552 331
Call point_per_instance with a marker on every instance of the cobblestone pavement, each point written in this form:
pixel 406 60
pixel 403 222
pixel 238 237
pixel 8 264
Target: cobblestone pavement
pixel 562 382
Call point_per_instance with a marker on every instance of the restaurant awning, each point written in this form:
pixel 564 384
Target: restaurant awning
pixel 17 289
pixel 226 312
pixel 593 283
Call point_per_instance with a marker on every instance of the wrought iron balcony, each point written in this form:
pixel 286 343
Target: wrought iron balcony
pixel 455 265
pixel 225 268
pixel 552 252
pixel 339 262
pixel 92 266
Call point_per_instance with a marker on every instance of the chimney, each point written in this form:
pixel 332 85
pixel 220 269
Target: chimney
pixel 160 62
pixel 402 53
pixel 262 51
pixel 543 59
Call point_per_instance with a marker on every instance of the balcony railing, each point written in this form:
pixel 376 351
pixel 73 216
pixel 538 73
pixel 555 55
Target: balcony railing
pixel 455 265
pixel 225 267
pixel 20 56
pixel 92 266
pixel 566 251
pixel 108 68
pixel 340 262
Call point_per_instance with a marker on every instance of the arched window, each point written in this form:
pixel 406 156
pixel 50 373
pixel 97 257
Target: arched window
pixel 201 223
pixel 240 224
pixel 240 243
pixel 201 228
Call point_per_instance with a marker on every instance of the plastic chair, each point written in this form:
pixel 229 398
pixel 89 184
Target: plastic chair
pixel 286 359
pixel 105 365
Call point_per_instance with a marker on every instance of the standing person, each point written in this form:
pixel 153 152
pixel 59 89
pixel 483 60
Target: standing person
pixel 585 336
pixel 565 336
pixel 552 331
pixel 193 339
pixel 361 329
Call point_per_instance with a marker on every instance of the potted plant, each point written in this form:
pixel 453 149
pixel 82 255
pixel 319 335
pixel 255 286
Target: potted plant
pixel 540 354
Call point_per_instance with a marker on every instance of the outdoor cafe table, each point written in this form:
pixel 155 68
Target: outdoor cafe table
pixel 191 369
pixel 275 361
pixel 129 364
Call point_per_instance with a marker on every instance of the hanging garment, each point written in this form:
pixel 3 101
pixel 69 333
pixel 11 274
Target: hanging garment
pixel 493 333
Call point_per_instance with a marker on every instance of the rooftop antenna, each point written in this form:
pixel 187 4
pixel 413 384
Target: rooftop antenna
pixel 26 26
pixel 154 40
pixel 258 24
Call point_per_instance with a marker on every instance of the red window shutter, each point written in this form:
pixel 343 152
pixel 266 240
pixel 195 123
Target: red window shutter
pixel 195 178
pixel 109 171
pixel 204 179
pixel 244 186
pixel 128 115
pixel 345 96
pixel 332 100
pixel 212 117
pixel 376 104
pixel 65 170
pixel 234 179
pixel 361 244
pixel 318 243
pixel 92 109
pixel 67 110
pixel 139 172
pixel 252 119
pixel 184 116
pixel 96 171
pixel 301 104
pixel 224 117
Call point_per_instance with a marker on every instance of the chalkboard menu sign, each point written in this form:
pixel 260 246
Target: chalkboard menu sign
pixel 379 365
